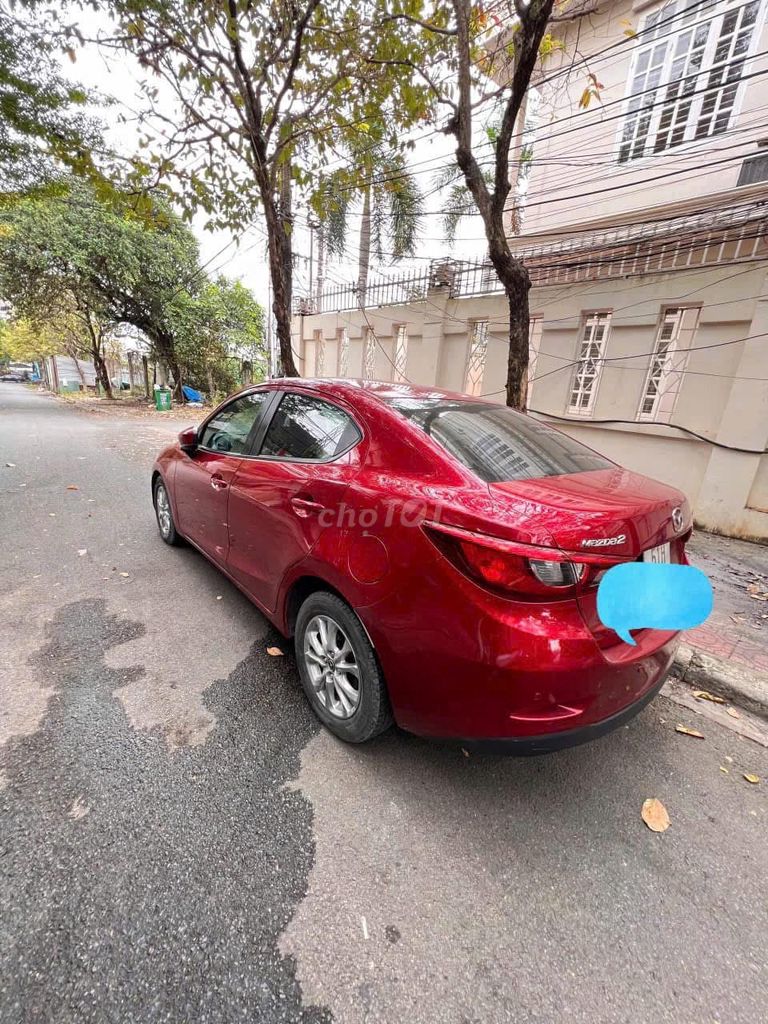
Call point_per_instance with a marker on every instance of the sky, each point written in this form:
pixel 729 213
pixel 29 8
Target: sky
pixel 119 76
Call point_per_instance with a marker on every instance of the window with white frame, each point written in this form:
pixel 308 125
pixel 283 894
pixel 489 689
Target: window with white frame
pixel 369 354
pixel 674 340
pixel 686 73
pixel 478 349
pixel 535 328
pixel 319 354
pixel 595 327
pixel 401 351
pixel 342 339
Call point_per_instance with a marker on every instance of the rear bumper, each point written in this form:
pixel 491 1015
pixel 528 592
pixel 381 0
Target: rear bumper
pixel 532 746
pixel 479 668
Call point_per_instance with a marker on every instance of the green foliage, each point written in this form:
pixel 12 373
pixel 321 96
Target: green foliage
pixel 395 199
pixel 21 342
pixel 313 81
pixel 266 94
pixel 74 255
pixel 43 123
pixel 220 325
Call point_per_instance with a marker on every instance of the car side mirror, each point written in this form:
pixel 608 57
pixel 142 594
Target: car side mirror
pixel 188 440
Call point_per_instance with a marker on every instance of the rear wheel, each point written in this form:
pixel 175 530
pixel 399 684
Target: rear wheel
pixel 164 513
pixel 339 670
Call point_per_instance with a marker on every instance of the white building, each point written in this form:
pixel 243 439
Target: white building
pixel 646 238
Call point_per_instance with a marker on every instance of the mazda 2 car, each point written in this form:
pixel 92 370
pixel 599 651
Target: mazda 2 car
pixel 435 557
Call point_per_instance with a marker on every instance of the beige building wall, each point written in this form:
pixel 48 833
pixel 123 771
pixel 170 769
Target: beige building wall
pixel 576 175
pixel 722 395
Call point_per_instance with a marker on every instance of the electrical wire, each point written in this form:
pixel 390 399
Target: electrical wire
pixel 675 426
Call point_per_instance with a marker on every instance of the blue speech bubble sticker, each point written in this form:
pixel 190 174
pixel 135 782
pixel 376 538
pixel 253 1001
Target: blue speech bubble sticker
pixel 651 595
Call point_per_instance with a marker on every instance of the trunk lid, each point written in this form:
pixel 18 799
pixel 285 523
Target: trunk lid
pixel 613 513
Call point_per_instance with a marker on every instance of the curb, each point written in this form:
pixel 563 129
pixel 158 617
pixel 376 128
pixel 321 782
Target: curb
pixel 738 685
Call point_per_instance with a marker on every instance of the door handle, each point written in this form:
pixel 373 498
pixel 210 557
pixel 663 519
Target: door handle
pixel 305 506
pixel 218 483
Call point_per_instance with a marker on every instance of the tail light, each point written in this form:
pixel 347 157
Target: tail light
pixel 516 569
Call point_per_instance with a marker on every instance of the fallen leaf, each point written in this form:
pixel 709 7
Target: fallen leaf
pixel 655 816
pixel 732 712
pixel 275 652
pixel 689 732
pixel 79 809
pixel 706 695
pixel 729 759
pixel 218 597
pixel 52 515
pixel 723 770
pixel 125 574
pixel 754 779
pixel 72 487
pixel 465 752
pixel 82 551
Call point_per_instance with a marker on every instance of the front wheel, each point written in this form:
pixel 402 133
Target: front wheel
pixel 339 670
pixel 164 513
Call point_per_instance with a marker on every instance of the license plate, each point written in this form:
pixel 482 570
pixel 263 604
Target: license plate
pixel 657 554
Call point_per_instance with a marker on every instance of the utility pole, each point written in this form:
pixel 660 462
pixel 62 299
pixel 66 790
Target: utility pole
pixel 314 224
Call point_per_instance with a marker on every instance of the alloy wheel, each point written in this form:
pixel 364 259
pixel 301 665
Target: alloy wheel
pixel 332 666
pixel 163 509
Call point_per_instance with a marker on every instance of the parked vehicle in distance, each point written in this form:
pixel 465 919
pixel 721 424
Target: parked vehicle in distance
pixel 12 377
pixel 435 557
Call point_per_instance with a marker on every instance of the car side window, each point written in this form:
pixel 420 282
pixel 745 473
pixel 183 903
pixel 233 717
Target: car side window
pixel 309 429
pixel 229 429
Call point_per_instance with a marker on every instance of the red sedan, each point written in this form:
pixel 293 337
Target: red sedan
pixel 434 556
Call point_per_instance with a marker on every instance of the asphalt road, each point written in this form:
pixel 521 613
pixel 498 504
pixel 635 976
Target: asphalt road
pixel 179 842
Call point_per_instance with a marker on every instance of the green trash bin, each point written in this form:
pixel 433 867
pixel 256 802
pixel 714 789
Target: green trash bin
pixel 163 399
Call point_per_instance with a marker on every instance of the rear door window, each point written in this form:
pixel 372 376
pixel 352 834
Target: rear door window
pixel 309 429
pixel 495 442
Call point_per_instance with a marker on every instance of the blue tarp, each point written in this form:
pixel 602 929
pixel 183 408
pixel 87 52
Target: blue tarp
pixel 190 394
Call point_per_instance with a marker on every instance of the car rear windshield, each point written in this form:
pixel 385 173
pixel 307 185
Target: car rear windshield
pixel 497 443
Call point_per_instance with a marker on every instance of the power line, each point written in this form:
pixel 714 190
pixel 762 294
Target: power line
pixel 573 420
pixel 674 426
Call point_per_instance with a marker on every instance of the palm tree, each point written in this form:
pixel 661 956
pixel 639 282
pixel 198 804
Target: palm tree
pixel 391 214
pixel 459 202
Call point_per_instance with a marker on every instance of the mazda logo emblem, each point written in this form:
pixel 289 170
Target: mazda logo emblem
pixel 677 519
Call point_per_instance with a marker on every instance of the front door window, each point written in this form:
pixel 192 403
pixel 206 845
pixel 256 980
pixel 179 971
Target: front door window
pixel 229 430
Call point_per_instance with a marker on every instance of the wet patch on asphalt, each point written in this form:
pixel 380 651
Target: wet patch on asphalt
pixel 144 884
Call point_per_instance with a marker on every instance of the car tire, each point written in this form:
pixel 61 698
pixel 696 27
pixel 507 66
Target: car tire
pixel 166 526
pixel 352 704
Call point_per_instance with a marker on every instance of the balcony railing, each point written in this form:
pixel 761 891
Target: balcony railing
pixel 735 235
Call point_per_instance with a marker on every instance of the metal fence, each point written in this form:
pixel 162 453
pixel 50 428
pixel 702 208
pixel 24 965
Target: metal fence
pixel 724 237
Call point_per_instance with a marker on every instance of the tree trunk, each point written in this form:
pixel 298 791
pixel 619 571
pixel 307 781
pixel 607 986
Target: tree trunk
pixel 71 351
pixel 102 373
pixel 145 368
pixel 365 247
pixel 99 365
pixel 517 283
pixel 281 273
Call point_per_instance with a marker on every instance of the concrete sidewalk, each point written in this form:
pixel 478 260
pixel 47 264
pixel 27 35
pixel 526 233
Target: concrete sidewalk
pixel 728 654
